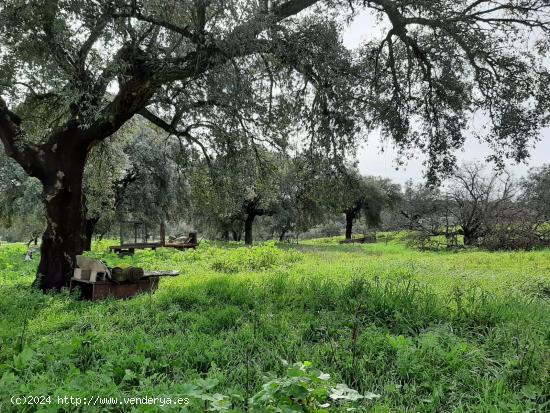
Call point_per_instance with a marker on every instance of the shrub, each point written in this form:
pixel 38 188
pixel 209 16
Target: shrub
pixel 256 258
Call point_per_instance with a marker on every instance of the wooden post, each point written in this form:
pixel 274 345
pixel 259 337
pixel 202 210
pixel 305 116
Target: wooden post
pixel 162 234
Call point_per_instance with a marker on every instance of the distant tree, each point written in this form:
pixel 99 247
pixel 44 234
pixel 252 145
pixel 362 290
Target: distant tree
pixel 490 208
pixel 536 193
pixel 421 207
pixel 154 187
pixel 107 166
pixel 74 72
pixel 298 204
pixel 233 190
pixel 348 192
pixel 498 213
pixel 478 199
pixel 20 206
pixel 527 225
pixel 136 178
pixel 426 211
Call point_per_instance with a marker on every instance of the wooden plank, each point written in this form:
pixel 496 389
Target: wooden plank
pixel 161 274
pixel 129 249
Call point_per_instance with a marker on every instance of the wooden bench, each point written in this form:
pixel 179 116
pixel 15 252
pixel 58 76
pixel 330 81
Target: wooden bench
pixel 130 249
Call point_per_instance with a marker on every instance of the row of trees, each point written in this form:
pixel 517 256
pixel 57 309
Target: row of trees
pixel 148 176
pixel 488 208
pixel 145 177
pixel 296 192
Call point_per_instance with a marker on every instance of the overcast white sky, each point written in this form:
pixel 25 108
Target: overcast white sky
pixel 374 162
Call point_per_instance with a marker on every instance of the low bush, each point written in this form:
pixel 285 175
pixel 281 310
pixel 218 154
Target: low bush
pixel 257 258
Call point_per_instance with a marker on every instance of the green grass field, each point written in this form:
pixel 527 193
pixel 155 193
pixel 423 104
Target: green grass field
pixel 465 331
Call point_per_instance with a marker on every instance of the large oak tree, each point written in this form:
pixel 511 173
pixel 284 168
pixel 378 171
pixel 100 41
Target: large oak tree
pixel 73 72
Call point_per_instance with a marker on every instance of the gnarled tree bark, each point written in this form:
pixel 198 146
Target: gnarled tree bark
pixel 248 223
pixel 59 165
pixel 62 162
pixel 252 211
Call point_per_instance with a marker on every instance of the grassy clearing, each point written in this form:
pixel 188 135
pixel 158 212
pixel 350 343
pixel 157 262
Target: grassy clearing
pixel 428 332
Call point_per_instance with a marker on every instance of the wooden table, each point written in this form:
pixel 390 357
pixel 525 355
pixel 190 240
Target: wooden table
pixel 129 249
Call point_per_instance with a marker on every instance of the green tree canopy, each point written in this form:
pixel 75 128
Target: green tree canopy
pixel 348 192
pixel 233 189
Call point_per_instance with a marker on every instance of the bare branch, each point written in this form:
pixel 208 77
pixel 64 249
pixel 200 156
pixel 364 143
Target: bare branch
pixel 171 129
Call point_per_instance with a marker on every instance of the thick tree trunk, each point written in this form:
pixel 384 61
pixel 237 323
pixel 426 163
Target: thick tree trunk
pixel 282 235
pixel 63 169
pixel 89 232
pixel 248 228
pixel 469 237
pixel 59 164
pixel 350 217
pixel 162 233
